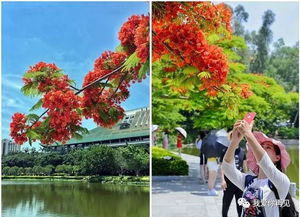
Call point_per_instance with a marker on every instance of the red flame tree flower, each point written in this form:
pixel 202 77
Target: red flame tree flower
pixel 104 88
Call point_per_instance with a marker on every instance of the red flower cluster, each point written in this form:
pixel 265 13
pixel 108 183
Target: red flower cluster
pixel 104 114
pixel 189 47
pixel 212 15
pixel 96 96
pixel 41 66
pixel 100 102
pixel 63 115
pixel 49 81
pixel 141 39
pixel 109 60
pixel 245 91
pixel 134 36
pixel 18 128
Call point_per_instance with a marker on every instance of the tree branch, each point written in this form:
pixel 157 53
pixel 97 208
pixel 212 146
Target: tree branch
pixel 89 85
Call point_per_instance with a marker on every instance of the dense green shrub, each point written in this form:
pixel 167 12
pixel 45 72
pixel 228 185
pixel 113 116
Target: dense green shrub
pixel 288 133
pixel 13 171
pixel 167 163
pixel 49 169
pixel 68 169
pixel 28 171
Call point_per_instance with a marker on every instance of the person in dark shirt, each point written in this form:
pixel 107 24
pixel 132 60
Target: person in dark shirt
pixel 229 189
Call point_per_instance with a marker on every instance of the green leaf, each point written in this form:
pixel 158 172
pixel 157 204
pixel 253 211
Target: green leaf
pixel 32 117
pixel 131 62
pixel 45 123
pixel 143 70
pixel 37 105
pixel 30 141
pixel 77 136
pixel 35 74
pixel 120 48
pixel 31 89
pixel 72 82
pixel 80 129
pixel 190 70
pixel 204 74
pixel 57 74
pixel 32 134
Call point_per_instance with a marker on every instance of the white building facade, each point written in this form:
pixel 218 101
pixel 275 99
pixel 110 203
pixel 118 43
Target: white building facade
pixel 9 146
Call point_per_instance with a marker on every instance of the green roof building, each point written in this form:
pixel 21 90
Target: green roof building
pixel 132 129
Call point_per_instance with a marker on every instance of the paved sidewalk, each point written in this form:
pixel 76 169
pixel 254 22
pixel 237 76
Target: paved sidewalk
pixel 183 196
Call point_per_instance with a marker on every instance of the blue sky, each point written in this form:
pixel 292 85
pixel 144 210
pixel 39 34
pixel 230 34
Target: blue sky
pixel 74 34
pixel 286 23
pixel 71 35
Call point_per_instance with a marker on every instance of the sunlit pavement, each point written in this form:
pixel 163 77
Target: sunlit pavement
pixel 184 196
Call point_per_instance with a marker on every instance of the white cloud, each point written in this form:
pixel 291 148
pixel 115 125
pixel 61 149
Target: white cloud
pixel 12 83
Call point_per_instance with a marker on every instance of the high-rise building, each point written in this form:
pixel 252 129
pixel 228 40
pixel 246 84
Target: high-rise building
pixel 9 146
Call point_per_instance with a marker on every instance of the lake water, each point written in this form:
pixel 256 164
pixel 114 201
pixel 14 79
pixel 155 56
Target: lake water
pixel 72 199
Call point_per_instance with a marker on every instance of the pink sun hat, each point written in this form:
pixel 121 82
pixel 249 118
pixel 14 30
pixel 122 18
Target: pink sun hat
pixel 261 138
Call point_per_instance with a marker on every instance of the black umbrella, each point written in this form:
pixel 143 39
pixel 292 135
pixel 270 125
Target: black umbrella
pixel 215 143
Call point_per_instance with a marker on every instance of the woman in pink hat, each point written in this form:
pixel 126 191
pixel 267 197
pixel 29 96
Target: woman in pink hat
pixel 267 159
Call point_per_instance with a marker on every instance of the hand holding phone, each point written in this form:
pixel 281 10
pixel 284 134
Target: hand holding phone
pixel 249 117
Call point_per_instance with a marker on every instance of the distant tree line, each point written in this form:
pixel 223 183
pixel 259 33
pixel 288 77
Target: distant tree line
pixel 96 160
pixel 282 63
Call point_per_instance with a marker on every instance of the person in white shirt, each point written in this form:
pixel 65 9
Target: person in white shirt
pixel 203 158
pixel 267 158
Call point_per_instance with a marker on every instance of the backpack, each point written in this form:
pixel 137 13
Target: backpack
pixel 283 211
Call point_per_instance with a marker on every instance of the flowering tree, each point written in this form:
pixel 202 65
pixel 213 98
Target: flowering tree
pixel 194 60
pixel 103 90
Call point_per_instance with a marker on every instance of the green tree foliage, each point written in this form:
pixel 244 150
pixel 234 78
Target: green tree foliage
pixel 51 158
pixel 284 65
pixel 136 158
pixel 173 107
pixel 96 160
pixel 262 41
pixel 270 101
pixel 240 16
pixel 19 159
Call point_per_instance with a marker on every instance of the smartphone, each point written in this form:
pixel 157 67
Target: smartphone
pixel 249 117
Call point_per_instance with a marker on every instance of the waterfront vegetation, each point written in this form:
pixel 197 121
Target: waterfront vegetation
pixel 125 180
pixel 87 164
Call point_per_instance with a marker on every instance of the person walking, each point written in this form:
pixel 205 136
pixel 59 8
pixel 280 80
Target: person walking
pixel 213 167
pixel 203 158
pixel 166 139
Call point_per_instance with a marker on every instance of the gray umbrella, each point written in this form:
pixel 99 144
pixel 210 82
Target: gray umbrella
pixel 215 143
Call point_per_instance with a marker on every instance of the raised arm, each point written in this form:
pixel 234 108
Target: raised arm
pixel 228 165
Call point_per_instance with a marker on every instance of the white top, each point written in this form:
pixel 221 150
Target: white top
pixel 279 179
pixel 199 144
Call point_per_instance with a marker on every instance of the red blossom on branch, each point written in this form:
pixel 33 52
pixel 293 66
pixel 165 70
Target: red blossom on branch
pixel 104 89
pixel 18 128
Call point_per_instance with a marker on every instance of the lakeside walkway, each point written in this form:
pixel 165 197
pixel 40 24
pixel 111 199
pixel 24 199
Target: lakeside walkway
pixel 184 196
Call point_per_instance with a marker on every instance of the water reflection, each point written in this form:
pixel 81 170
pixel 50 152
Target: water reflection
pixel 72 199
